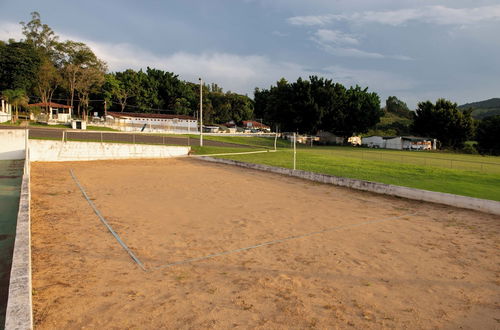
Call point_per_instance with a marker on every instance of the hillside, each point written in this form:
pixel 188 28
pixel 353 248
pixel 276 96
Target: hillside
pixel 483 109
pixel 392 123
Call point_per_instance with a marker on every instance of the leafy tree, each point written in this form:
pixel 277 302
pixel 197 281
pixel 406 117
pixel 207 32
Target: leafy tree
pixel 48 79
pixel 361 112
pixel 91 78
pixel 19 65
pixel 488 135
pixel 128 87
pixel 398 107
pixel 41 36
pixel 443 121
pixel 75 59
pixel 17 98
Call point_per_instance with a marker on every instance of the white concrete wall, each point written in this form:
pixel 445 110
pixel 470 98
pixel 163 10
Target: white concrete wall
pixel 58 151
pixel 12 144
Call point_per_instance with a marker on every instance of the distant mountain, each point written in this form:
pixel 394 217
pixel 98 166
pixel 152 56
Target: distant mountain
pixel 483 109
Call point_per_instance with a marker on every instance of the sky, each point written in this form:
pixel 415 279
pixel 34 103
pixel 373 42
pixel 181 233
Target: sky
pixel 416 50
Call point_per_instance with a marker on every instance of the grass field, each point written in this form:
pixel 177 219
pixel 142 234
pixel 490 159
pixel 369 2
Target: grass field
pixel 461 174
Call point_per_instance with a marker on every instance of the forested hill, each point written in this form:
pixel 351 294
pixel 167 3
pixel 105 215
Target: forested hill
pixel 483 109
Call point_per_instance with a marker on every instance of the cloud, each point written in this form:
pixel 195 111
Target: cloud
pixel 439 15
pixel 9 30
pixel 377 80
pixel 335 36
pixel 279 34
pixel 341 44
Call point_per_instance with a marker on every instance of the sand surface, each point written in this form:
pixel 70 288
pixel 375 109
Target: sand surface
pixel 422 266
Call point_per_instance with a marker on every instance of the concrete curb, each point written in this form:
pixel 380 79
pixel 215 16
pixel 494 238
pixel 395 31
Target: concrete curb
pixel 465 202
pixel 19 305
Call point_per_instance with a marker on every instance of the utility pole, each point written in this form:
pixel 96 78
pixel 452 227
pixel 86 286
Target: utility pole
pixel 201 112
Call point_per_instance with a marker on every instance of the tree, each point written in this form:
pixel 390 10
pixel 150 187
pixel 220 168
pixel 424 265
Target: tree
pixel 19 65
pixel 17 98
pixel 75 58
pixel 361 112
pixel 48 79
pixel 488 135
pixel 128 87
pixel 90 80
pixel 443 121
pixel 398 107
pixel 41 36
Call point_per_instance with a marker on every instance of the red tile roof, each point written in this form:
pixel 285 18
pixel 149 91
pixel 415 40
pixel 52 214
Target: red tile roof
pixel 50 104
pixel 254 124
pixel 147 115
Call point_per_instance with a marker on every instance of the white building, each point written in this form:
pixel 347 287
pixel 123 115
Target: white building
pixel 6 113
pixel 151 122
pixel 400 142
pixel 58 113
pixel 373 141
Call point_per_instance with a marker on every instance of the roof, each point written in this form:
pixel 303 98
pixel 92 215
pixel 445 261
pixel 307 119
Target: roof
pixel 147 115
pixel 254 123
pixel 50 104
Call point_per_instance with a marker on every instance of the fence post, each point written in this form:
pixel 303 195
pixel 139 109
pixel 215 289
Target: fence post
pixel 294 151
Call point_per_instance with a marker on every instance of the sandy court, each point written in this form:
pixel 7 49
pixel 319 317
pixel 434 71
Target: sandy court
pixel 421 266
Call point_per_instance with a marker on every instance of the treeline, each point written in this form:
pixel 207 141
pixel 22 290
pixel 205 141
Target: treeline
pixel 308 106
pixel 42 68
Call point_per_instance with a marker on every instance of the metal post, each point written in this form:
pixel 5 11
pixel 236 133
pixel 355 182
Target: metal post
pixel 201 112
pixel 294 151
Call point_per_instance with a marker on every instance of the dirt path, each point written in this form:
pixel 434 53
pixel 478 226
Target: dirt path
pixel 437 268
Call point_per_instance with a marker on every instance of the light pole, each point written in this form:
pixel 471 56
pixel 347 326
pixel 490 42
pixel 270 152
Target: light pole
pixel 201 112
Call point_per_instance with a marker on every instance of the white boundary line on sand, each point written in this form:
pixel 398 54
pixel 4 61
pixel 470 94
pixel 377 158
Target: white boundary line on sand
pixel 108 226
pixel 277 241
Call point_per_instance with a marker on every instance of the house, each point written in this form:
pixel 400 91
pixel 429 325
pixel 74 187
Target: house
pixel 256 126
pixel 329 138
pixel 151 122
pixel 6 113
pixel 58 113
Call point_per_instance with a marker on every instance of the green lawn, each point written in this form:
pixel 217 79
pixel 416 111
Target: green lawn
pixel 423 170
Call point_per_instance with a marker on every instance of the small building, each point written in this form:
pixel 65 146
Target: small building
pixel 329 138
pixel 399 142
pixel 57 113
pixel 6 113
pixel 373 141
pixel 256 126
pixel 151 122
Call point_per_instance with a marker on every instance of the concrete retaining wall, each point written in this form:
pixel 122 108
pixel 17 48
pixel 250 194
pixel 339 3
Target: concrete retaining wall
pixel 465 202
pixel 12 144
pixel 19 304
pixel 58 151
